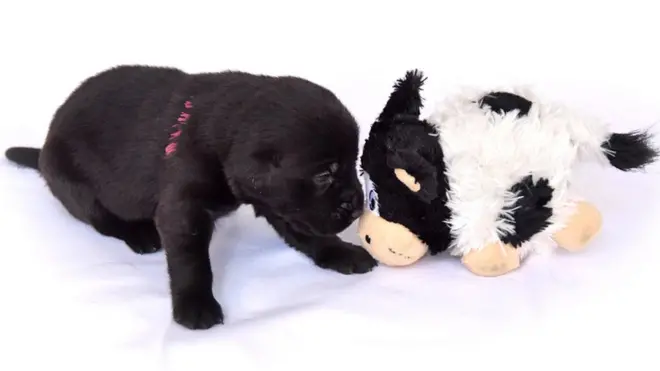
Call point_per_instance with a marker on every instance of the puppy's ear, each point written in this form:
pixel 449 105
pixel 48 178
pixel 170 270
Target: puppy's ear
pixel 406 99
pixel 268 156
pixel 268 160
pixel 410 154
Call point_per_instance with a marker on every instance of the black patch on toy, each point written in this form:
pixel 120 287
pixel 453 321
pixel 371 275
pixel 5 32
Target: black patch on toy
pixel 531 214
pixel 503 103
pixel 630 151
pixel 400 139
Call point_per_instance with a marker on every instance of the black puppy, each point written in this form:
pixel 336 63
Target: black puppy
pixel 153 156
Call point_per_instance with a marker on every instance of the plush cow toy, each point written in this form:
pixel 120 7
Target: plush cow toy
pixel 487 176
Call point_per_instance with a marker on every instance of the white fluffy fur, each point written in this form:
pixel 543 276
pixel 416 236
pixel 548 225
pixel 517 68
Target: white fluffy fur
pixel 486 153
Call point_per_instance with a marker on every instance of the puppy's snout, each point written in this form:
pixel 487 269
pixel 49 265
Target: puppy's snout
pixel 350 207
pixel 357 203
pixel 353 204
pixel 358 200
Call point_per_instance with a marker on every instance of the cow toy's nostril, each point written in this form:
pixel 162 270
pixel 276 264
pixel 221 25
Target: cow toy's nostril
pixel 367 238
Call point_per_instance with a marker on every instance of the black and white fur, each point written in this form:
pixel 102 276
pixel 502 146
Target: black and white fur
pixel 284 145
pixel 509 159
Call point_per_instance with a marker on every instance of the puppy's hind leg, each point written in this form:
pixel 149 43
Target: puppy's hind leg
pixel 328 252
pixel 141 236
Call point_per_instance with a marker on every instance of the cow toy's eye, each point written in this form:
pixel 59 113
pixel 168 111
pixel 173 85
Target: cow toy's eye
pixel 372 200
pixel 372 195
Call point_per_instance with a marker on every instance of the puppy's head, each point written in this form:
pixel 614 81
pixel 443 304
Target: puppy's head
pixel 307 174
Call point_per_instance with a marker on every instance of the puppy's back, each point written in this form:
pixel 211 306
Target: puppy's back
pixel 111 131
pixel 277 110
pixel 111 99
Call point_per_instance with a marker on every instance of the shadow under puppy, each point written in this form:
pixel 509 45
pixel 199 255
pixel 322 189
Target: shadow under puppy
pixel 153 156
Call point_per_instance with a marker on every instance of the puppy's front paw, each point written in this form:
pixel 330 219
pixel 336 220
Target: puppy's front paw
pixel 345 258
pixel 197 311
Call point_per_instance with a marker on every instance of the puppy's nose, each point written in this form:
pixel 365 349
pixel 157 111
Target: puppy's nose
pixel 354 210
pixel 350 207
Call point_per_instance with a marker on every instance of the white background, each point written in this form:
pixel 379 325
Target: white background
pixel 71 298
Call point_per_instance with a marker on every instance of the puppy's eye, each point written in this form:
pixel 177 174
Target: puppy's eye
pixel 323 178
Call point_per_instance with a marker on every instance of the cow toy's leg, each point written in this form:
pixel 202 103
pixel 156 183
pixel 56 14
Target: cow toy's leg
pixel 580 229
pixel 492 260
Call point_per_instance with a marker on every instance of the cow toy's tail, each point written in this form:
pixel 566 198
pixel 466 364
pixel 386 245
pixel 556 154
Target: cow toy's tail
pixel 627 151
pixel 630 151
pixel 24 156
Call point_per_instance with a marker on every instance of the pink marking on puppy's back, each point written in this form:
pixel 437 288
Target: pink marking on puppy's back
pixel 171 148
pixel 184 117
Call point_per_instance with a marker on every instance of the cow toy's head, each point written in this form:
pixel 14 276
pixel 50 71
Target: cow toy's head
pixel 404 179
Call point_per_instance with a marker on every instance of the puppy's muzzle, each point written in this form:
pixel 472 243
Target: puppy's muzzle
pixel 352 208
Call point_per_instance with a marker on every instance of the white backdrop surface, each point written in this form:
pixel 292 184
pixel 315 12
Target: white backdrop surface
pixel 74 299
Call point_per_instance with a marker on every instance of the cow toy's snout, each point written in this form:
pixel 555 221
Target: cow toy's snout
pixel 390 243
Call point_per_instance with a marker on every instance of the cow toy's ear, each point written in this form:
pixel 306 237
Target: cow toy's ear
pixel 415 172
pixel 411 153
pixel 406 99
pixel 411 145
pixel 407 180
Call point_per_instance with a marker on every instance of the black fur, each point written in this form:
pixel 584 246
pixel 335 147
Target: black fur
pixel 531 214
pixel 282 144
pixel 400 139
pixel 504 102
pixel 630 151
pixel 24 156
pixel 406 98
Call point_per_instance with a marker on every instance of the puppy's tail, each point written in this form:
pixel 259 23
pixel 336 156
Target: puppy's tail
pixel 24 156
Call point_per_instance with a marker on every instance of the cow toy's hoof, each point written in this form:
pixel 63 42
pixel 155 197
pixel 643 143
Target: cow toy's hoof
pixel 583 226
pixel 492 260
